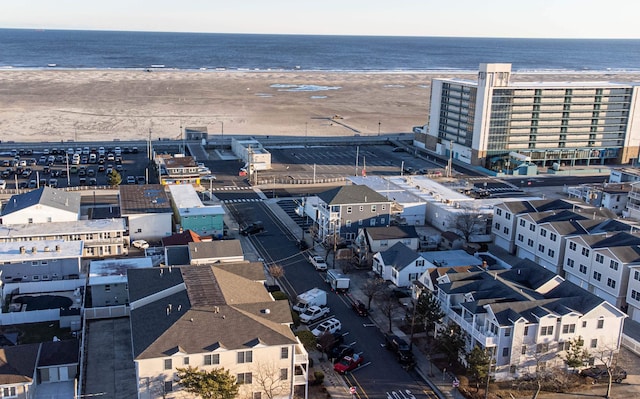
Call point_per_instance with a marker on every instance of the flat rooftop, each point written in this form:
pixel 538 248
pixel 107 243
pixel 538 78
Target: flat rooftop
pixel 44 249
pixel 59 228
pixel 148 198
pixel 113 271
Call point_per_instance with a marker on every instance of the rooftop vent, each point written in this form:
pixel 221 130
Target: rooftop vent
pixel 34 250
pixel 23 250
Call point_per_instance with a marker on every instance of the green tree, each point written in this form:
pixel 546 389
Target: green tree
pixel 213 384
pixel 428 311
pixel 114 178
pixel 451 341
pixel 478 364
pixel 576 355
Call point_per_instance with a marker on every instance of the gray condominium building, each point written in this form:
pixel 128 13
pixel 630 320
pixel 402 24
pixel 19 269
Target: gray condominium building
pixel 493 120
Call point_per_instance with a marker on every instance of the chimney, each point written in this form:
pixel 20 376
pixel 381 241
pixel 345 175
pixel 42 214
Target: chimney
pixel 23 250
pixel 34 250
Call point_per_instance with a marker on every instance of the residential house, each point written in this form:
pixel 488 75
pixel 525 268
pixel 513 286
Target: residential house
pixel 147 210
pixel 101 237
pixel 602 264
pixel 541 235
pixel 191 214
pixel 633 294
pixel 451 240
pixel 527 315
pixel 107 283
pixel 399 264
pixel 613 196
pixel 375 239
pixel 183 237
pixel 40 261
pixel 218 316
pixel 209 252
pixel 43 205
pixel 45 370
pixel 343 210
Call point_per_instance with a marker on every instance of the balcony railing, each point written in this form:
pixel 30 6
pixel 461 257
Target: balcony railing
pixel 480 334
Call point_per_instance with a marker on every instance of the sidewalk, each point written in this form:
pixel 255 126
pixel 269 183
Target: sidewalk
pixel 441 383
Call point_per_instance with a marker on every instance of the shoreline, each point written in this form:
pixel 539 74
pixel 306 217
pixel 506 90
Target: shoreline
pixel 54 104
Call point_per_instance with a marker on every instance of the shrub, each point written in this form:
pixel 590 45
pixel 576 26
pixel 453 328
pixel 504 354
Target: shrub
pixel 279 295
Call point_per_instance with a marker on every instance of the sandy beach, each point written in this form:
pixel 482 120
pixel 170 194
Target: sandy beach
pixel 89 105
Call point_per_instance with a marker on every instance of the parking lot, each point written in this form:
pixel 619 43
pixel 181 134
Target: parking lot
pixel 71 166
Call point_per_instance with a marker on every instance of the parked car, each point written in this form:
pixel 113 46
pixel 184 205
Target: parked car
pixel 332 325
pixel 131 180
pixel 348 363
pixel 340 351
pixel 360 308
pixel 253 228
pixel 599 374
pixel 318 262
pixel 400 347
pixel 32 183
pixel 140 244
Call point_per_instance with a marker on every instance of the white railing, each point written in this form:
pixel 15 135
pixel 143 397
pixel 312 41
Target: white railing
pixel 470 328
pixel 41 287
pixel 106 312
pixel 35 316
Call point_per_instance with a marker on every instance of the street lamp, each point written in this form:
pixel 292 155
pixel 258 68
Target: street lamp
pixel 221 134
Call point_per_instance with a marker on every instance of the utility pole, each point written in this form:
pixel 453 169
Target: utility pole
pixel 357 156
pixel 449 164
pixel 379 123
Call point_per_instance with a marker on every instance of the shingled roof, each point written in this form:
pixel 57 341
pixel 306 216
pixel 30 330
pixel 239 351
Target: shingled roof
pixel 201 308
pixel 45 196
pixel 354 194
pixel 391 232
pixel 18 363
pixel 399 256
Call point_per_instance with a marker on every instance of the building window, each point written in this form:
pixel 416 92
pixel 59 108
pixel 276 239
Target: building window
pixel 349 209
pixel 599 258
pixel 570 262
pixel 597 276
pixel 211 359
pixel 540 248
pixel 542 348
pixel 520 237
pixel 30 220
pixel 185 360
pixel 499 212
pixel 553 237
pixel 284 353
pixel 568 328
pixel 168 386
pixel 547 330
pixel 497 226
pixel 594 343
pixel 543 232
pixel 572 246
pixel 244 378
pixel 532 227
pixel 245 357
pixel 505 352
pixel 522 222
pixel 384 207
pixel 611 283
pixel 505 230
pixel 168 364
pixel 583 269
pixel 361 208
pixel 507 216
pixel 600 324
pixel 636 275
pixel 9 392
pixel 284 374
pixel 585 252
pixel 507 332
pixel 526 330
pixel 523 350
pixel 257 395
pixel 614 265
pixel 373 208
pixel 530 242
pixel 635 295
pixel 551 253
pixel 584 324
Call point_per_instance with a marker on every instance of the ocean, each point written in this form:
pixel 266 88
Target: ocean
pixel 23 48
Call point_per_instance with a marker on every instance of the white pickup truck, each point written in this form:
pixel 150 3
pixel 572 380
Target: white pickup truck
pixel 318 262
pixel 314 313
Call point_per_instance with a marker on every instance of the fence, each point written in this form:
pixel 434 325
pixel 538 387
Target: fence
pixel 35 316
pixel 42 287
pixel 106 312
pixel 631 344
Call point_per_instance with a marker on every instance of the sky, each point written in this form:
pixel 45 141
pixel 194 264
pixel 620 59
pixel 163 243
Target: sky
pixel 457 18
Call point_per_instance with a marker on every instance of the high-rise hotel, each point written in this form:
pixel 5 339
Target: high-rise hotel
pixel 490 121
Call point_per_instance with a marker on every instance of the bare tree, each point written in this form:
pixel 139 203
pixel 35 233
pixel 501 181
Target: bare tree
pixel 372 288
pixel 606 355
pixel 276 272
pixel 541 354
pixel 467 223
pixel 268 376
pixel 388 304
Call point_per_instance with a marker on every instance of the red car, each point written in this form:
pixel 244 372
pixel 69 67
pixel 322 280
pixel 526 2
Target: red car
pixel 348 363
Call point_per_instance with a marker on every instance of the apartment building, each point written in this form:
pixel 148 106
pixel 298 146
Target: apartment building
pixel 177 169
pixel 212 317
pixel 147 210
pixel 101 237
pixel 613 196
pixel 526 316
pixel 540 236
pixel 566 123
pixel 602 264
pixel 40 261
